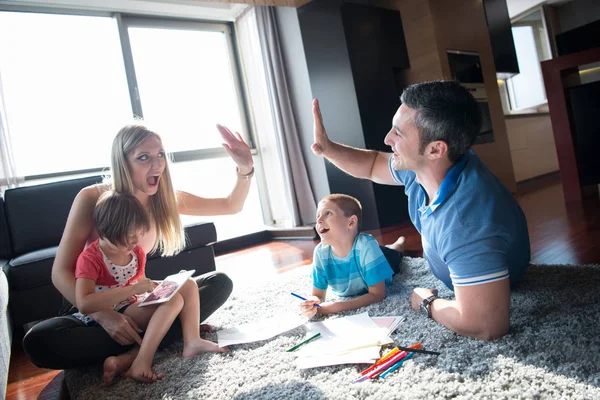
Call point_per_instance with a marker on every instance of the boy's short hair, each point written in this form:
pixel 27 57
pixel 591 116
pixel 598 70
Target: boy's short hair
pixel 116 215
pixel 349 205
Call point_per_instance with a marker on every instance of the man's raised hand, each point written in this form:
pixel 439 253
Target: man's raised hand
pixel 321 143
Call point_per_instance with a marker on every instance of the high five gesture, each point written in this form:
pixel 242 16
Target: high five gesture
pixel 322 142
pixel 364 164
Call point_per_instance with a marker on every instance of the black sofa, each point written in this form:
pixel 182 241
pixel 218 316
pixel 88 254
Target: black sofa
pixel 32 220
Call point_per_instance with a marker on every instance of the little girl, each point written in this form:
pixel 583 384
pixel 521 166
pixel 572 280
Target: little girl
pixel 110 274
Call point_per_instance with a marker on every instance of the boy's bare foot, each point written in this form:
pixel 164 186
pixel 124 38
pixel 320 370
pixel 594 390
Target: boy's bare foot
pixel 117 365
pixel 197 346
pixel 398 245
pixel 143 374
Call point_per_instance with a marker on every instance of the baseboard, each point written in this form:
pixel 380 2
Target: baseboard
pixel 533 184
pixel 301 232
pixel 253 239
pixel 240 242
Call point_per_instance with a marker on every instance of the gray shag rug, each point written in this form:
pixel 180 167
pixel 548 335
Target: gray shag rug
pixel 552 351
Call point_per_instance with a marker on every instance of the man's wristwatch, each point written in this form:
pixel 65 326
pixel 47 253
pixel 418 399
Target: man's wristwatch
pixel 426 304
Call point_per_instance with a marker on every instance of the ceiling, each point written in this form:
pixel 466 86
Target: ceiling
pixel 222 11
pixel 516 7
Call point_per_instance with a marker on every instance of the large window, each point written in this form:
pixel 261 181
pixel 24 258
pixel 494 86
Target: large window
pixel 526 90
pixel 71 81
pixel 65 90
pixel 185 82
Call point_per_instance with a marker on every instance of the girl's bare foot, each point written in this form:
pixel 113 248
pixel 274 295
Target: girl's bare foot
pixel 117 365
pixel 143 374
pixel 398 245
pixel 197 346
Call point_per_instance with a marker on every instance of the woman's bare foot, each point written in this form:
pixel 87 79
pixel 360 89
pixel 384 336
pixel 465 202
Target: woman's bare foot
pixel 398 245
pixel 143 374
pixel 117 365
pixel 197 346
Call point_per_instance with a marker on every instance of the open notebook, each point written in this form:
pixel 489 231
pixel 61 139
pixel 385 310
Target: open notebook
pixel 352 339
pixel 167 288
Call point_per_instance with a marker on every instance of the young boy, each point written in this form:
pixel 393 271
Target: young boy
pixel 349 262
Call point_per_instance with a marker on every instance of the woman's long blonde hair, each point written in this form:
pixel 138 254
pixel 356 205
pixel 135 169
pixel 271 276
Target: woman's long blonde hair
pixel 170 236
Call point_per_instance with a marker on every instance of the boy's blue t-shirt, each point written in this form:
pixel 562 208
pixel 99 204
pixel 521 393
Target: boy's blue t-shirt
pixel 473 231
pixel 364 266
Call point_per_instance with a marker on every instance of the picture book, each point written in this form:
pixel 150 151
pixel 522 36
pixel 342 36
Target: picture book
pixel 167 288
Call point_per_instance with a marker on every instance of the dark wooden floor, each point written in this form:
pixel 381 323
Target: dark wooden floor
pixel 560 234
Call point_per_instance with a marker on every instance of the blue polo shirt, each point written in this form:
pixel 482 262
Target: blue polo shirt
pixel 473 231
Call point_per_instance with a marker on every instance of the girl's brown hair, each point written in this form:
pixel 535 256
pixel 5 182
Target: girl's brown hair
pixel 117 215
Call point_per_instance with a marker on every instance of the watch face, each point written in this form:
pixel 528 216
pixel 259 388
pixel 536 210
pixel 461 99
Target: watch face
pixel 426 304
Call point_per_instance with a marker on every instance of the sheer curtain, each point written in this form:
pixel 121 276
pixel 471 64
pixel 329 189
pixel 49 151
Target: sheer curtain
pixel 8 174
pixel 290 194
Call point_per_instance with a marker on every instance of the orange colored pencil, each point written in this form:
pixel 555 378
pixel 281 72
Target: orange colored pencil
pixel 387 356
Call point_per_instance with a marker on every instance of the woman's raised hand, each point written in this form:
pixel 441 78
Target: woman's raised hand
pixel 237 149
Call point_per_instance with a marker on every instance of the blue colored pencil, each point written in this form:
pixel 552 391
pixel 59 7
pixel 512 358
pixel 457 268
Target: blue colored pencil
pixel 396 366
pixel 302 298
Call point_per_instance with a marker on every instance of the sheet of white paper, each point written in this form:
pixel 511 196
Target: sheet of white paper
pixel 391 323
pixel 343 334
pixel 259 330
pixel 367 355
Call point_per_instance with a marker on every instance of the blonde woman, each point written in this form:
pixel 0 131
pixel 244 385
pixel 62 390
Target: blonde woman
pixel 139 167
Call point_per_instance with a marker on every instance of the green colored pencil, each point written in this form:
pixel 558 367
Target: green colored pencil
pixel 306 341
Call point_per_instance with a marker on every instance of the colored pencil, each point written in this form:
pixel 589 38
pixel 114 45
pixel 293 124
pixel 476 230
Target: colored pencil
pixel 390 354
pixel 302 298
pixel 382 367
pixel 418 350
pixel 396 366
pixel 304 342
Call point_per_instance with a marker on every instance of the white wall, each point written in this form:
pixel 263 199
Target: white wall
pixel 532 146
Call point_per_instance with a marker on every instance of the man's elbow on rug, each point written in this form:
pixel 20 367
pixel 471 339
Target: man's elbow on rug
pixel 487 329
pixel 483 310
pixel 484 327
pixel 493 333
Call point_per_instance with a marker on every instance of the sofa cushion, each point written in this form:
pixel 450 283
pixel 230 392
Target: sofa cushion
pixel 202 259
pixel 5 245
pixel 34 269
pixel 196 235
pixel 34 304
pixel 200 234
pixel 37 215
pixel 5 334
pixel 31 270
pixel 4 266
